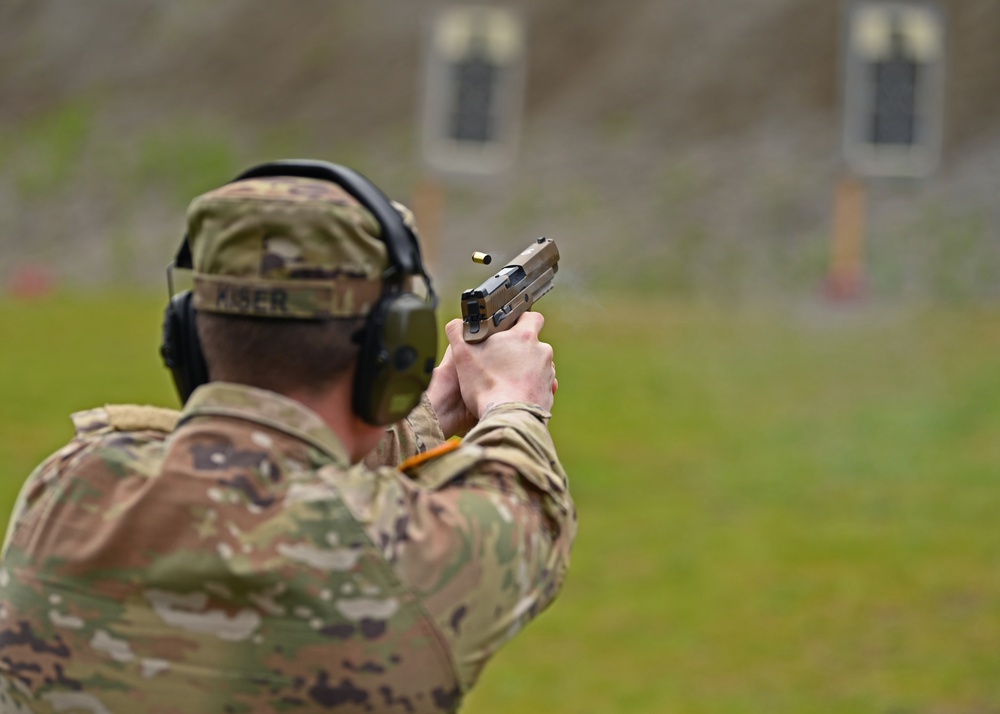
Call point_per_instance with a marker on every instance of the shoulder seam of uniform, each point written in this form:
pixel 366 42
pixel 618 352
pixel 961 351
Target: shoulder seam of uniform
pixel 133 417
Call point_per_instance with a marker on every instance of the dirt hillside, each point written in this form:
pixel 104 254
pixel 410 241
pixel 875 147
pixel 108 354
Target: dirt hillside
pixel 668 144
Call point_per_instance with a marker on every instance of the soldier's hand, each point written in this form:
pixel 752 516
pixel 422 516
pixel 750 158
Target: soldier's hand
pixel 510 366
pixel 446 398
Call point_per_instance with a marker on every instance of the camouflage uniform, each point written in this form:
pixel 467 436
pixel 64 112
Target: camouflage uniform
pixel 230 558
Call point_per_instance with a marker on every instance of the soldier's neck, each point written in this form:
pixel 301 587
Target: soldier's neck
pixel 333 405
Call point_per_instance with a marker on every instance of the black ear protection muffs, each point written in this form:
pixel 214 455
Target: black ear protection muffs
pixel 181 347
pixel 398 344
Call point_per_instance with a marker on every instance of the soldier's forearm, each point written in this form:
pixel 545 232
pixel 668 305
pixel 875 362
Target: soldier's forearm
pixel 408 437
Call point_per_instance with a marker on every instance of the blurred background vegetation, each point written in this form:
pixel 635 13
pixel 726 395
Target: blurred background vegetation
pixel 787 505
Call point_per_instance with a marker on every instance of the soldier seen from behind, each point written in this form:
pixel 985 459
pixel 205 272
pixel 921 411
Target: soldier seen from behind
pixel 301 537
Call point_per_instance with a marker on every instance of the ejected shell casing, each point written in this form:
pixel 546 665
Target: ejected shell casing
pixel 482 258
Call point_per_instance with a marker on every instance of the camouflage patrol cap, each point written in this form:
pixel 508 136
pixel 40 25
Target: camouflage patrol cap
pixel 283 246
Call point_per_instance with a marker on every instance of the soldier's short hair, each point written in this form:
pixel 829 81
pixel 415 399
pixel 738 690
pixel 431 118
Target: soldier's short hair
pixel 281 355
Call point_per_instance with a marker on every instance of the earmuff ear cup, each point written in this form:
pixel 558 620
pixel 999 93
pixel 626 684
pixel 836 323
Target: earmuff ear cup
pixel 397 358
pixel 181 347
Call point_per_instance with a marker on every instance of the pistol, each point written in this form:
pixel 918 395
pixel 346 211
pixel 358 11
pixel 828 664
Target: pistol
pixel 496 304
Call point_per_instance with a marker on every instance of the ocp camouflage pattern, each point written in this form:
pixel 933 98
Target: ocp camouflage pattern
pixel 239 563
pixel 286 247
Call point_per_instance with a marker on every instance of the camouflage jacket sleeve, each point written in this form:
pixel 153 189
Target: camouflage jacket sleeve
pixel 90 427
pixel 482 532
pixel 409 437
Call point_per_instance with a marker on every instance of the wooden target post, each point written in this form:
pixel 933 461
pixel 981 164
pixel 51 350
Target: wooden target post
pixel 846 280
pixel 428 203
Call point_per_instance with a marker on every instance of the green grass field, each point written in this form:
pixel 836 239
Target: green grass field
pixel 779 513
